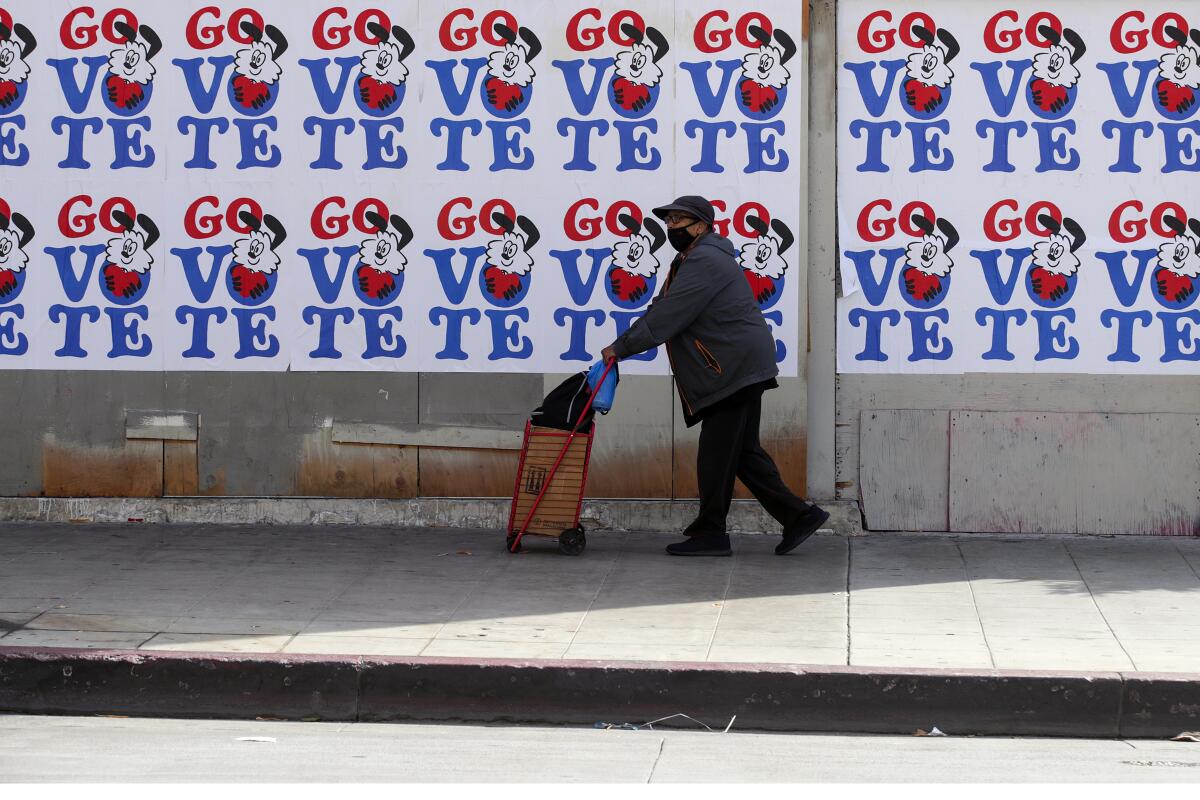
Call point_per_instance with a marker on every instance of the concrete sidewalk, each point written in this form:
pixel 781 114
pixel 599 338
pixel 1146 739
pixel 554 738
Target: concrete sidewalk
pixel 880 633
pixel 900 600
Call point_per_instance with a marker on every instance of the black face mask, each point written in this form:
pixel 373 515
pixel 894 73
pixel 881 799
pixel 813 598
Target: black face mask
pixel 680 238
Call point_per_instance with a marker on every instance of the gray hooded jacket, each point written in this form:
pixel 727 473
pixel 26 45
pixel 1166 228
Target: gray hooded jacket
pixel 716 337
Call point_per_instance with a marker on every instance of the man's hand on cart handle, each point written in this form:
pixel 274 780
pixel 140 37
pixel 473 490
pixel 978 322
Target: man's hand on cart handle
pixel 608 354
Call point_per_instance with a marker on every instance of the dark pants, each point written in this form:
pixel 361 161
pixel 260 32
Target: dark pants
pixel 729 448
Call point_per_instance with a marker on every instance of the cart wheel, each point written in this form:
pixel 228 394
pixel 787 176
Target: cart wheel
pixel 572 541
pixel 509 542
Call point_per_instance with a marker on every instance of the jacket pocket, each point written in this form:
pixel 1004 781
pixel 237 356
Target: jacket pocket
pixel 710 360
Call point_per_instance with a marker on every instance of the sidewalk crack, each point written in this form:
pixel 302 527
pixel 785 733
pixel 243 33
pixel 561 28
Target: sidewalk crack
pixel 724 600
pixel 1186 562
pixel 499 564
pixel 849 564
pixel 974 604
pixel 662 743
pixel 370 572
pixel 1100 611
pixel 603 582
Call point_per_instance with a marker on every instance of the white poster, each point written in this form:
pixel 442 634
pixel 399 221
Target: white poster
pixel 1019 187
pixel 434 185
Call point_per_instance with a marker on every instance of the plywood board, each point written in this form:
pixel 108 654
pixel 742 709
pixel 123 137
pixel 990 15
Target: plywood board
pixel 180 426
pixel 427 435
pixel 781 431
pixel 467 473
pixel 905 469
pixel 631 455
pixel 181 469
pixel 393 471
pixel 133 470
pixel 332 469
pixel 1172 394
pixel 784 435
pixel 684 443
pixel 1075 472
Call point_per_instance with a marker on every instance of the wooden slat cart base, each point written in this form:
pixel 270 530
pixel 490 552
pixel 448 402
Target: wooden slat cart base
pixel 560 490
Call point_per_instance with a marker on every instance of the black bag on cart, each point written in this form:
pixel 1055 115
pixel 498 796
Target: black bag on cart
pixel 564 404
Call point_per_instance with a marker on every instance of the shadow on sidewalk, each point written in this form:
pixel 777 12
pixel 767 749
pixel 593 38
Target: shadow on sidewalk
pixel 452 592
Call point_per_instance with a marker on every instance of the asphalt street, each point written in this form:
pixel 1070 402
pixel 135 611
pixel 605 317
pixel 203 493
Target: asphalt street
pixel 68 749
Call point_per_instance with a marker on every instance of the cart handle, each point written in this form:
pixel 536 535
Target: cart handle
pixel 612 362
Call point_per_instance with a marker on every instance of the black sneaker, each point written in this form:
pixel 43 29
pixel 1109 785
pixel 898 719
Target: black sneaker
pixel 795 534
pixel 711 544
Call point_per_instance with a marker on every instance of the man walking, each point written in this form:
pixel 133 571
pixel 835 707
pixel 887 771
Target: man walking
pixel 723 356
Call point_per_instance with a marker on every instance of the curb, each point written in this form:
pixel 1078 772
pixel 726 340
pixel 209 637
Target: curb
pixel 669 516
pixel 769 697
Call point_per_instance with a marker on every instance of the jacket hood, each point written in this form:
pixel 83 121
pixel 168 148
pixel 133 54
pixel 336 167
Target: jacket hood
pixel 714 239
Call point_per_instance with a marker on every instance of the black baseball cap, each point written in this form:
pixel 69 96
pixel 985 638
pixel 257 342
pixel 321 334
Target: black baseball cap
pixel 691 204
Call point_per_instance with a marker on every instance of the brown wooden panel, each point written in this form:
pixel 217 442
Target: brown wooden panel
pixel 467 473
pixel 328 469
pixel 782 433
pixel 631 456
pixel 181 469
pixel 791 456
pixel 394 471
pixel 134 470
pixel 683 455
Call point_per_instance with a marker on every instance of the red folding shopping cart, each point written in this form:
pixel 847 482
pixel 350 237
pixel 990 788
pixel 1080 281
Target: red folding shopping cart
pixel 551 478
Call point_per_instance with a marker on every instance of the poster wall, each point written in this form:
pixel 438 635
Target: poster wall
pixel 437 185
pixel 1019 187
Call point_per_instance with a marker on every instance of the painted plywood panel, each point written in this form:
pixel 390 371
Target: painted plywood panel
pixel 1122 394
pixel 782 431
pixel 501 401
pixel 1075 473
pixel 467 473
pixel 684 442
pixel 427 435
pixel 846 435
pixel 905 458
pixel 180 469
pixel 393 471
pixel 73 470
pixel 478 399
pixel 328 469
pixel 332 469
pixel 631 455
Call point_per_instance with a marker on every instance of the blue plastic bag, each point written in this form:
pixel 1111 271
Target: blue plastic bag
pixel 608 392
